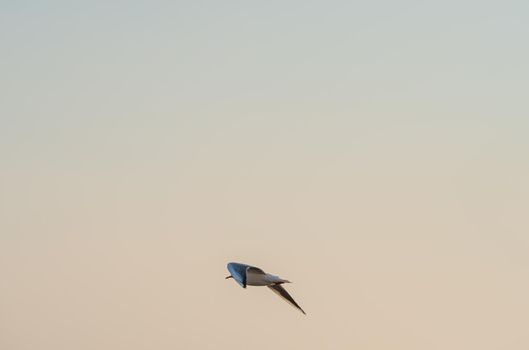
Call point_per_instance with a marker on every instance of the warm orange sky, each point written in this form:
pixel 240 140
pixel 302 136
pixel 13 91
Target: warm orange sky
pixel 374 154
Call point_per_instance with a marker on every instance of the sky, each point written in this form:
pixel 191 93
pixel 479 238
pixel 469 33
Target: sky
pixel 376 154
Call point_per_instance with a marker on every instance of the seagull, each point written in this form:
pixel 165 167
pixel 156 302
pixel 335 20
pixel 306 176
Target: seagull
pixel 247 275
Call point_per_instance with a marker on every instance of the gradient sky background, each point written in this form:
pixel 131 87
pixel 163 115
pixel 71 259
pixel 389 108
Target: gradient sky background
pixel 374 153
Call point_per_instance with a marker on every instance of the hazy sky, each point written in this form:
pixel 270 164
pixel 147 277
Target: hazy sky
pixel 374 153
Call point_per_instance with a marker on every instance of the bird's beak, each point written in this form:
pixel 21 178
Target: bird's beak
pixel 228 277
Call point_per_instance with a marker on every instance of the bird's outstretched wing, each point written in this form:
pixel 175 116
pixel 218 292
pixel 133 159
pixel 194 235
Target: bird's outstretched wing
pixel 254 270
pixel 238 272
pixel 279 290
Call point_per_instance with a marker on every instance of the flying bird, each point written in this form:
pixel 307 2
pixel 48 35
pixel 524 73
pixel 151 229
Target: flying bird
pixel 247 275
